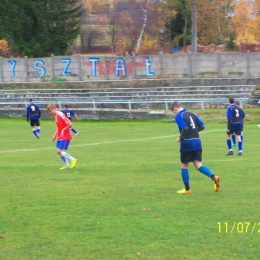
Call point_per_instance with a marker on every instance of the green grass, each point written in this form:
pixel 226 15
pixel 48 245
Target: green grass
pixel 120 200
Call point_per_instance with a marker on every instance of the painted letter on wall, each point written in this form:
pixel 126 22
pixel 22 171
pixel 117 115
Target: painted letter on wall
pixel 94 65
pixel 12 65
pixel 122 67
pixel 39 68
pixel 65 71
pixel 148 65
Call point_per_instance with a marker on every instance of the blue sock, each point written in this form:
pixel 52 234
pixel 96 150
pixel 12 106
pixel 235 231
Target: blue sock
pixel 239 146
pixel 185 178
pixel 229 144
pixel 35 132
pixel 205 170
pixel 73 130
pixel 234 139
pixel 242 138
pixel 38 130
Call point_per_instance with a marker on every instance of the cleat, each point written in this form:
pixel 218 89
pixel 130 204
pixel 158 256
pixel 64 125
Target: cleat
pixel 183 191
pixel 64 167
pixel 216 183
pixel 73 163
pixel 234 145
pixel 230 153
pixel 76 134
pixel 239 154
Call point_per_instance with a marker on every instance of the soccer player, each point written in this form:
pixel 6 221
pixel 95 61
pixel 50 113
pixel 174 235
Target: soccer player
pixel 69 113
pixel 63 136
pixel 235 117
pixel 33 113
pixel 190 146
pixel 233 134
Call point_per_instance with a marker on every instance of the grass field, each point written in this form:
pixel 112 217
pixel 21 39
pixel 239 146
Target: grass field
pixel 120 200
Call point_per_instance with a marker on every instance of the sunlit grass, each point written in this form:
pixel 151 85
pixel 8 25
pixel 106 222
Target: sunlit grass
pixel 120 200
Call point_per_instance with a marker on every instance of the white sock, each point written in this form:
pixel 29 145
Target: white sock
pixel 64 160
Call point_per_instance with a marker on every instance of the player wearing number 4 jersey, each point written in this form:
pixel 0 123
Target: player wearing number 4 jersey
pixel 235 118
pixel 190 146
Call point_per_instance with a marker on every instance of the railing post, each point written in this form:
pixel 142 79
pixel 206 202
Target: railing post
pixel 26 69
pixel 59 105
pixel 105 65
pixel 79 68
pixel 189 64
pixel 219 65
pixel 202 105
pixel 248 64
pixel 2 69
pixel 134 67
pixel 161 65
pixel 94 105
pixel 166 105
pixel 129 105
pixel 52 67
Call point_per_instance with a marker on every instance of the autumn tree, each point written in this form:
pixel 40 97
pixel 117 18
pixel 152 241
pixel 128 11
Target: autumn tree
pixel 4 48
pixel 246 23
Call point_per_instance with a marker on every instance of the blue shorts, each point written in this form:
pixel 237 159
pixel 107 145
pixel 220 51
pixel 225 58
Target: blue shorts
pixel 63 144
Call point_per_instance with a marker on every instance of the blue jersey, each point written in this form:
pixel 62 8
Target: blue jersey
pixel 190 125
pixel 235 117
pixel 33 111
pixel 69 113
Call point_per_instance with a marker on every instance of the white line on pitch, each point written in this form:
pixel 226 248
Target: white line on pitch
pixel 100 143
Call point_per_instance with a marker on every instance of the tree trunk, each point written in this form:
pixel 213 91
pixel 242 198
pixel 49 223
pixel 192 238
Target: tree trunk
pixel 143 27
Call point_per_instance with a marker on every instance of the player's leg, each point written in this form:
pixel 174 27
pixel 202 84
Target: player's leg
pixel 38 130
pixel 229 144
pixel 185 173
pixel 59 146
pixel 234 139
pixel 34 130
pixel 65 145
pixel 74 131
pixel 239 142
pixel 197 158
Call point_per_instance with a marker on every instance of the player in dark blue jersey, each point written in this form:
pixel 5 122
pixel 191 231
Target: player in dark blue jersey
pixel 33 113
pixel 235 118
pixel 69 113
pixel 234 143
pixel 190 146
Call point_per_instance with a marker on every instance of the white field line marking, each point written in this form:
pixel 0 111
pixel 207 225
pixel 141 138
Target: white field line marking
pixel 109 142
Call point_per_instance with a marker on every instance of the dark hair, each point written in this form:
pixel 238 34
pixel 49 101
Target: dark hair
pixel 66 106
pixel 175 104
pixel 30 99
pixel 231 100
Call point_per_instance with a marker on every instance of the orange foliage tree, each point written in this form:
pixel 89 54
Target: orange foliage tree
pixel 4 48
pixel 246 24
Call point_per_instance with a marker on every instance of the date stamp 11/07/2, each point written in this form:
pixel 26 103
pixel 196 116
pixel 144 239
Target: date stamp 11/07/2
pixel 239 227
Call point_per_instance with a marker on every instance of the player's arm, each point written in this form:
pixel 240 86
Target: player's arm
pixel 54 136
pixel 27 114
pixel 76 117
pixel 200 125
pixel 68 124
pixel 184 131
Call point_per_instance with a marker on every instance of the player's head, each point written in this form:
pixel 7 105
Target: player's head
pixel 52 108
pixel 66 106
pixel 176 107
pixel 30 100
pixel 231 100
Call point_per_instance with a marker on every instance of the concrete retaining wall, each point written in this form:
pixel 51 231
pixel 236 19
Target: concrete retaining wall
pixel 94 68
